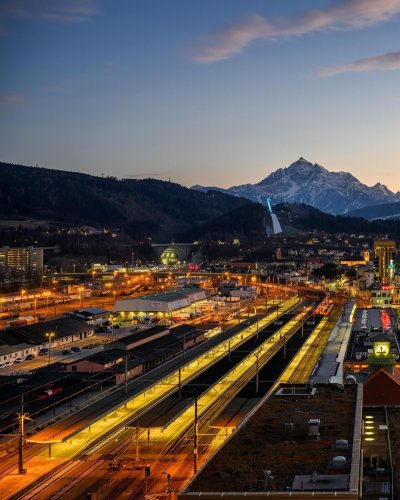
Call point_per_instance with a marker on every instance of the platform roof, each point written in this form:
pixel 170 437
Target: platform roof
pixel 162 415
pixel 234 413
pixel 73 424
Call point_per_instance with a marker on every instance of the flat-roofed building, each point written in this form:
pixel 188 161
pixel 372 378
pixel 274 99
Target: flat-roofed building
pixel 382 296
pixel 373 338
pixel 384 261
pixel 24 258
pixel 162 304
pixel 297 443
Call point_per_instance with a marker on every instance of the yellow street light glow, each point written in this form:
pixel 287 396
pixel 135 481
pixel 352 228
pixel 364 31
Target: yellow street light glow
pixel 369 433
pixel 369 426
pixel 369 439
pixel 369 416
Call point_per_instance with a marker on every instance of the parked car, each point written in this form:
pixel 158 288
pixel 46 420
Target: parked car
pixel 76 349
pixel 43 351
pixel 50 391
pixel 20 359
pixel 3 365
pixel 30 356
pixel 66 352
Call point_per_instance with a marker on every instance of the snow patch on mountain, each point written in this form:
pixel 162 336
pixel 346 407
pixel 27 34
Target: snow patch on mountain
pixel 312 184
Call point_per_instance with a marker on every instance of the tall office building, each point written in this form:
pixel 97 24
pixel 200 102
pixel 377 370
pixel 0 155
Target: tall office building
pixel 22 259
pixel 384 261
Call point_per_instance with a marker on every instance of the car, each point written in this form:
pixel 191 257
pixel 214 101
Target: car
pixel 43 351
pixel 30 356
pixel 20 359
pixel 76 349
pixel 8 364
pixel 48 392
pixel 66 352
pixel 3 365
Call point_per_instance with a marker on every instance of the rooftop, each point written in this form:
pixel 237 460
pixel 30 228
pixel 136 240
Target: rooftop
pixel 371 325
pixel 142 335
pixel 36 334
pixel 275 439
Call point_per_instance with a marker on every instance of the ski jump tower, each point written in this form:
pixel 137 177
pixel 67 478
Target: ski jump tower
pixel 276 225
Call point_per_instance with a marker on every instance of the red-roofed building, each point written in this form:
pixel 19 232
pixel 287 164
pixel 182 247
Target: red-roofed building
pixel 382 389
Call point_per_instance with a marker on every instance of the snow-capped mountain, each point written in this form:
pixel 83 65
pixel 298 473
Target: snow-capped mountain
pixel 312 184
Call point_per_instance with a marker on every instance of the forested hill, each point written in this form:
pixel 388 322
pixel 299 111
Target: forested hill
pixel 146 207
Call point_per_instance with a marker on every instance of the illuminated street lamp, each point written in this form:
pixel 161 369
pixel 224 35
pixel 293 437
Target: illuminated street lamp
pixel 46 294
pixel 50 335
pixel 80 289
pixel 257 354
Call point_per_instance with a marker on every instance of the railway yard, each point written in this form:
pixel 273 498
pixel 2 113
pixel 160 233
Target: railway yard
pixel 148 435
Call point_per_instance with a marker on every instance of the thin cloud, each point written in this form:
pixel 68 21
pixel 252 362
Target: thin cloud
pixel 56 11
pixel 343 15
pixel 11 99
pixel 385 62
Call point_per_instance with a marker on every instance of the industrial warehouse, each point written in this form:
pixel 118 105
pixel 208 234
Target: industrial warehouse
pixel 179 303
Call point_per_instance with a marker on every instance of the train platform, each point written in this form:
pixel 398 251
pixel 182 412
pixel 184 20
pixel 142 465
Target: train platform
pixel 146 385
pixel 329 369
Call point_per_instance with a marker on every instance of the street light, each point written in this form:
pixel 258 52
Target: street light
pixel 257 370
pixel 80 289
pixel 46 294
pixel 302 322
pixel 50 335
pixel 168 482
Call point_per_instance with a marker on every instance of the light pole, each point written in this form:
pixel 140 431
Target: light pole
pixel 184 346
pixel 80 295
pixel 302 322
pixel 168 483
pixel 195 434
pixel 112 326
pixel 257 370
pixel 22 298
pixel 50 335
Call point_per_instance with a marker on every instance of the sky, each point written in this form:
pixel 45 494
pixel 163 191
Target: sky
pixel 205 92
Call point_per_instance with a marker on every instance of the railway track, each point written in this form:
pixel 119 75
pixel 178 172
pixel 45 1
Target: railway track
pixel 40 489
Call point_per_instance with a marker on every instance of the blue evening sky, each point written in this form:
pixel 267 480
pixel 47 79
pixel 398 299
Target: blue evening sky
pixel 214 92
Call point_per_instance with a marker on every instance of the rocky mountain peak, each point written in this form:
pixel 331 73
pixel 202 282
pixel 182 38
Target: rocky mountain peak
pixel 313 184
